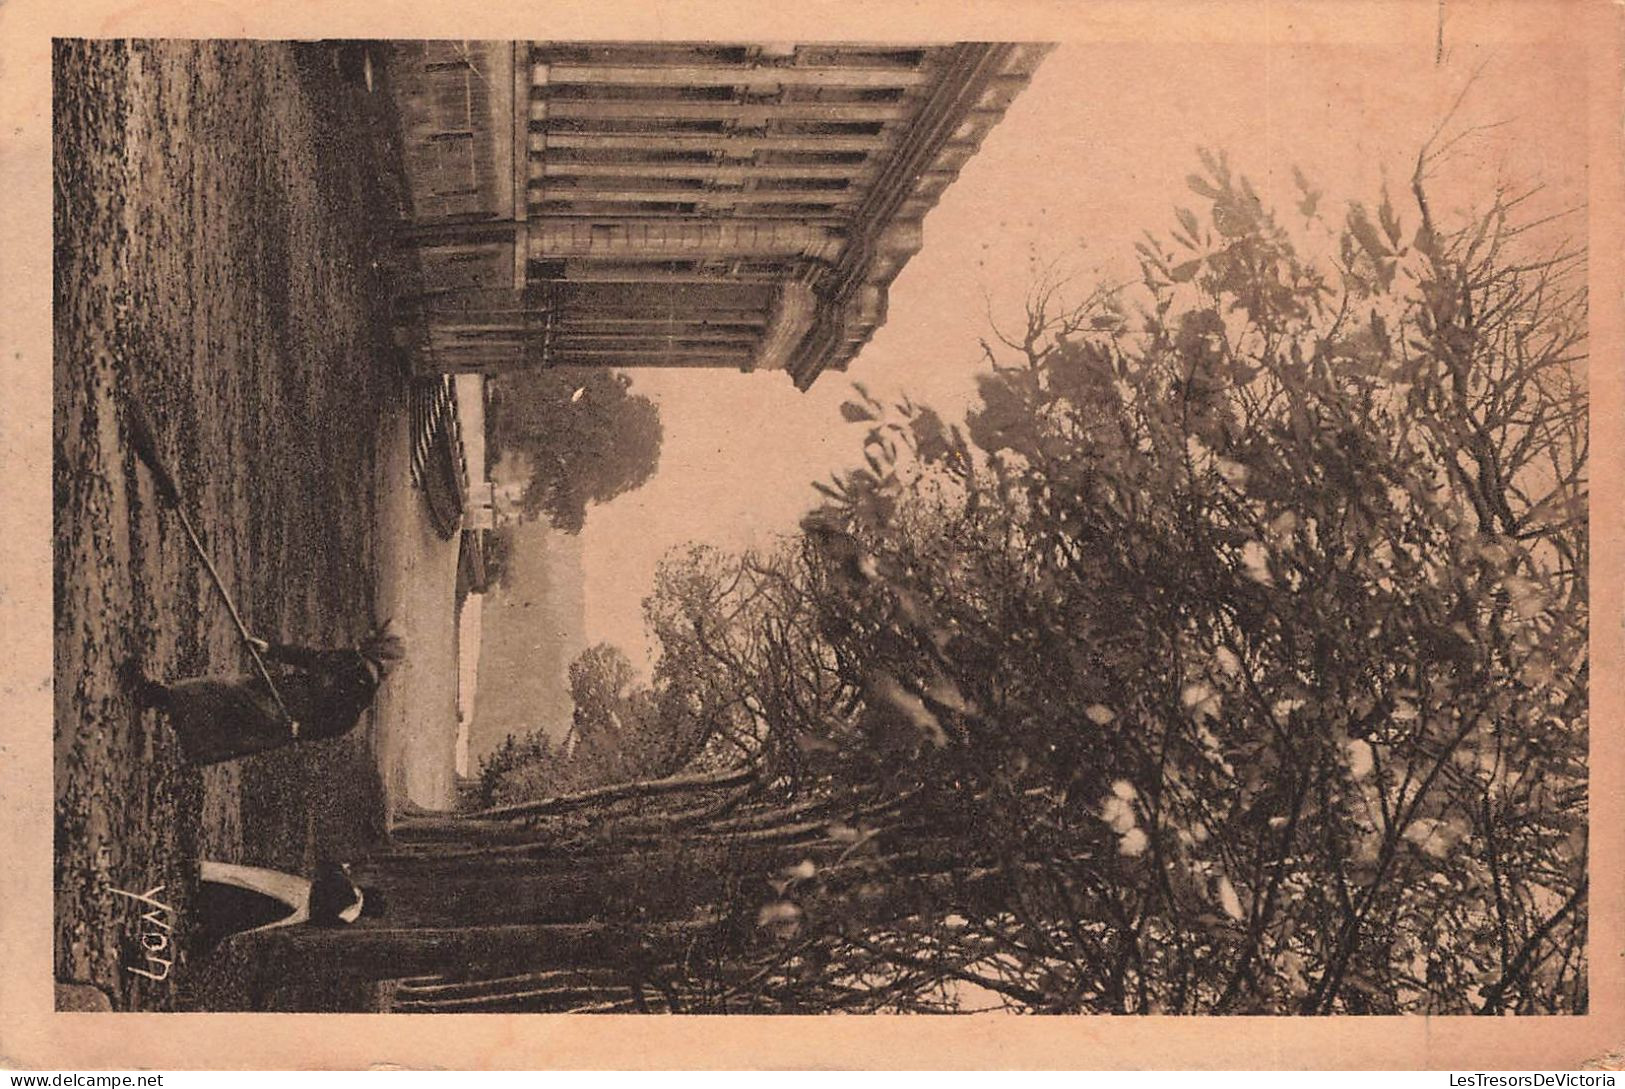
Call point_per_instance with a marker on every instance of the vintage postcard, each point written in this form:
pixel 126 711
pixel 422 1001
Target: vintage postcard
pixel 571 518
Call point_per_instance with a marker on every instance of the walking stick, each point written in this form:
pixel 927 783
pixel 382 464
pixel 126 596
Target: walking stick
pixel 145 442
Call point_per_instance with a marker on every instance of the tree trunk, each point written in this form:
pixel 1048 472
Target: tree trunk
pixel 439 988
pixel 603 795
pixel 478 895
pixel 535 991
pixel 659 880
pixel 430 831
pixel 380 953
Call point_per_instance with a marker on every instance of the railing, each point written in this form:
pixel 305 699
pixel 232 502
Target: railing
pixel 439 468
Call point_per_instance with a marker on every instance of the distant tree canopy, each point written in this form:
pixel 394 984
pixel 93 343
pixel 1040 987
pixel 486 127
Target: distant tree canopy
pixel 620 731
pixel 1232 658
pixel 524 766
pixel 609 713
pixel 498 555
pixel 589 438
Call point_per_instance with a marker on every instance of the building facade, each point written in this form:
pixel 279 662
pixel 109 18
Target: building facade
pixel 634 204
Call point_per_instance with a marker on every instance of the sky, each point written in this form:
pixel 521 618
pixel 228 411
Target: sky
pixel 1092 153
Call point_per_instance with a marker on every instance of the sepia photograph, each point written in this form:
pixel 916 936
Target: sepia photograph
pixel 998 523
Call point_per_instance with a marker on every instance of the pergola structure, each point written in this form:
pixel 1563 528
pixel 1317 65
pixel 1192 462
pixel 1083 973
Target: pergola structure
pixel 634 204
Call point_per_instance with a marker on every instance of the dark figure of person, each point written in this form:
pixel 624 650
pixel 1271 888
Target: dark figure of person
pixel 224 718
pixel 233 899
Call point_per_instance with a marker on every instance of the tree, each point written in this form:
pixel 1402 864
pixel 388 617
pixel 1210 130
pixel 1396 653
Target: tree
pixel 1231 658
pixel 743 673
pixel 589 438
pixel 608 713
pixel 523 766
pixel 498 554
pixel 1241 668
pixel 1256 647
pixel 616 735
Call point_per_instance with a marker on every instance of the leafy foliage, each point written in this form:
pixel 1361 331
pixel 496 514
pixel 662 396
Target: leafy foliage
pixel 617 734
pixel 1233 658
pixel 498 555
pixel 523 766
pixel 589 438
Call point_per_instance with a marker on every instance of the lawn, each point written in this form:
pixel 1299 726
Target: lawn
pixel 219 216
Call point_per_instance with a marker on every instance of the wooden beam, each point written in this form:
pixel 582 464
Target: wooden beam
pixel 671 308
pixel 428 988
pixel 372 952
pixel 586 270
pixel 655 300
pixel 753 114
pixel 631 237
pixel 520 109
pixel 603 319
pixel 632 52
pixel 851 54
pixel 740 143
pixel 665 351
pixel 734 172
pixel 446 335
pixel 834 218
pixel 606 191
pixel 729 76
pixel 690 337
